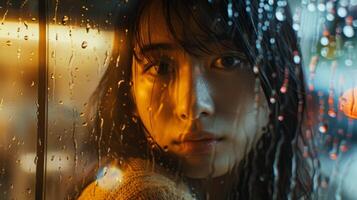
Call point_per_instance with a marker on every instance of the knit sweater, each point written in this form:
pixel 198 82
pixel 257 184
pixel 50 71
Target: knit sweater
pixel 138 181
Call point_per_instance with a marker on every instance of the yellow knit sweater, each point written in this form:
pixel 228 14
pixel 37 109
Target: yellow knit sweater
pixel 138 181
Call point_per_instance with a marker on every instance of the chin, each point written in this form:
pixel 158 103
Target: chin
pixel 198 167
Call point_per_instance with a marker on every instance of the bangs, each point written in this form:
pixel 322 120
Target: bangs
pixel 193 25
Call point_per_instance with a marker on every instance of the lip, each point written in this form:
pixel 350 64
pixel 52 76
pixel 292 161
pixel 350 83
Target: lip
pixel 198 143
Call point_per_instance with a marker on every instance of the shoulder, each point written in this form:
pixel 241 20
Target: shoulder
pixel 138 179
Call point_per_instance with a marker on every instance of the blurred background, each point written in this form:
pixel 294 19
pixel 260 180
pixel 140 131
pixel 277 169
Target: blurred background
pixel 80 38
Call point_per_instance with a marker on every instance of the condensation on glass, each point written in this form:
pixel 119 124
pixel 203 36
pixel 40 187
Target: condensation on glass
pixel 80 43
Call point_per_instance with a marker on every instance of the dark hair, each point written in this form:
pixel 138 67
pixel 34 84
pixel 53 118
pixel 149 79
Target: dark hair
pixel 275 168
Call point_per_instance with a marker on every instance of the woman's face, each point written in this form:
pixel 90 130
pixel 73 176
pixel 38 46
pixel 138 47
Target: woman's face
pixel 205 109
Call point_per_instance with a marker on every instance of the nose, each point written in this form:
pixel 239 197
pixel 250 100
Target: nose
pixel 195 96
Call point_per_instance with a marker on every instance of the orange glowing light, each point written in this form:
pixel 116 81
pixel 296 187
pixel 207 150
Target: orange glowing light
pixel 347 103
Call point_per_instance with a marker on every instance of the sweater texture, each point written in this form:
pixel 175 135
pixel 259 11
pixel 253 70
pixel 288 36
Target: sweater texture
pixel 139 181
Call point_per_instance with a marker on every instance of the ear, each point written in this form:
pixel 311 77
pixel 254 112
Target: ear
pixel 135 112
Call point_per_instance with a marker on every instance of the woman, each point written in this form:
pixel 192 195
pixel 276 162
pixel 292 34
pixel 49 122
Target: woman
pixel 210 94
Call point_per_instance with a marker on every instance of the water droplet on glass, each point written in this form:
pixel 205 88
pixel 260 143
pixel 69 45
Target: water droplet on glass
pixel 342 12
pixel 321 7
pixel 333 155
pixel 279 14
pixel 65 19
pixel 330 17
pixel 88 26
pixel 8 43
pixel 297 59
pixel 323 128
pixel 348 62
pixel 296 26
pixel 331 113
pixel 272 100
pixel 324 41
pixel 255 69
pixel 280 118
pixel 26 37
pixel 329 5
pixel 84 44
pixel 311 7
pixel 283 89
pixel 348 31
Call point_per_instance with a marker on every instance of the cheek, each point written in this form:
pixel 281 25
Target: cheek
pixel 154 106
pixel 241 118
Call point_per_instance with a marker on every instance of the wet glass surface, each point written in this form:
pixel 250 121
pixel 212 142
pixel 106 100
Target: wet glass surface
pixel 197 111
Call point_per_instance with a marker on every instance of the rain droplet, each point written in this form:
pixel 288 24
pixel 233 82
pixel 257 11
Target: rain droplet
pixel 65 19
pixel 280 15
pixel 330 17
pixel 297 59
pixel 272 100
pixel 255 69
pixel 324 41
pixel 331 113
pixel 280 118
pixel 296 26
pixel 88 27
pixel 28 190
pixel 60 102
pixel 348 31
pixel 348 62
pixel 342 12
pixel 321 7
pixel 84 44
pixel 323 128
pixel 311 7
pixel 344 2
pixel 8 43
pixel 283 89
pixel 333 156
pixel 26 37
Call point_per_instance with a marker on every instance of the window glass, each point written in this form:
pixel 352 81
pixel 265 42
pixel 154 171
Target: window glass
pixel 18 101
pixel 204 99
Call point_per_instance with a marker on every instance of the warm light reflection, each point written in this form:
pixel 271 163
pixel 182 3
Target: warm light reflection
pixel 56 161
pixel 109 177
pixel 63 34
pixel 348 103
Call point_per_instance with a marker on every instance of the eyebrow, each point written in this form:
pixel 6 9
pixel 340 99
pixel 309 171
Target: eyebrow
pixel 169 46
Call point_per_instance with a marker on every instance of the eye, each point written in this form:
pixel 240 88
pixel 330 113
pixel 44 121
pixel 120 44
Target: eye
pixel 161 68
pixel 227 62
